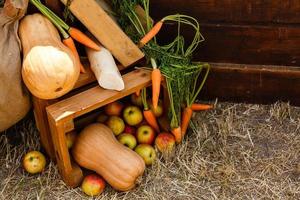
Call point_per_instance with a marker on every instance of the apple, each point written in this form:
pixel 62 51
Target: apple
pixel 132 115
pixel 93 185
pixel 159 110
pixel 102 118
pixel 116 124
pixel 136 100
pixel 130 129
pixel 147 152
pixel 145 134
pixel 127 140
pixel 144 122
pixel 114 108
pixel 165 142
pixel 70 138
pixel 34 162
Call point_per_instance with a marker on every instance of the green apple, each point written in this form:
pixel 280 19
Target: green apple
pixel 147 152
pixel 93 185
pixel 136 100
pixel 116 124
pixel 165 142
pixel 159 110
pixel 127 140
pixel 132 115
pixel 145 135
pixel 114 108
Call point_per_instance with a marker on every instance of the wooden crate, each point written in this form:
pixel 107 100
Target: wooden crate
pixel 61 117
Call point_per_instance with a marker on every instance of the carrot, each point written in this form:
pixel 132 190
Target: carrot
pixel 71 45
pixel 83 39
pixel 138 93
pixel 151 34
pixel 156 81
pixel 186 118
pixel 198 107
pixel 151 119
pixel 177 134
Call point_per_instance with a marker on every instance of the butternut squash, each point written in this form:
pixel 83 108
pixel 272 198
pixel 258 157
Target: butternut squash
pixel 49 68
pixel 97 149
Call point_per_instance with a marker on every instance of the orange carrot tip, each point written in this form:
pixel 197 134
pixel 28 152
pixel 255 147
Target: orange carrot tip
pixel 156 81
pixel 83 39
pixel 138 93
pixel 177 134
pixel 151 34
pixel 186 118
pixel 69 42
pixel 199 107
pixel 151 119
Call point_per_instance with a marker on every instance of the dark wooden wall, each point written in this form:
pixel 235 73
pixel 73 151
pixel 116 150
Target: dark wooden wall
pixel 243 31
pixel 250 33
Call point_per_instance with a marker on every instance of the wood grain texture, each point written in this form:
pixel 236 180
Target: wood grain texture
pixel 70 172
pixel 253 83
pixel 41 121
pixel 233 11
pixel 103 27
pixel 97 97
pixel 266 45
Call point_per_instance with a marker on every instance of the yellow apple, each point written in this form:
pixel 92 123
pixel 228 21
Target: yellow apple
pixel 132 115
pixel 34 162
pixel 147 152
pixel 71 137
pixel 116 124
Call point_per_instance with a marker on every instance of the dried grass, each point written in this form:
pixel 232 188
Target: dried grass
pixel 236 151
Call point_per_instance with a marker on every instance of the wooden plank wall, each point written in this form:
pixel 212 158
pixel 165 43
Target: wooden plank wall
pixel 251 33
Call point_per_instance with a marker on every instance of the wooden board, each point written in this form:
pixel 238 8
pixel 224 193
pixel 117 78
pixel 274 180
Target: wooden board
pixel 253 83
pixel 96 97
pixel 103 27
pixel 233 11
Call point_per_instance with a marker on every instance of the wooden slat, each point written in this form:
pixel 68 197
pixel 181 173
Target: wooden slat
pixel 268 45
pixel 41 120
pixel 253 83
pixel 96 97
pixel 103 27
pixel 232 11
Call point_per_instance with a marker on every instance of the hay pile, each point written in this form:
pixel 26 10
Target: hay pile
pixel 236 151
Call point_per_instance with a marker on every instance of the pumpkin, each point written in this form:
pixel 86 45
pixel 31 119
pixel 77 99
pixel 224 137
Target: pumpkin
pixel 97 149
pixel 49 68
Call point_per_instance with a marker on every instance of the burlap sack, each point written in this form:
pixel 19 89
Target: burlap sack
pixel 14 100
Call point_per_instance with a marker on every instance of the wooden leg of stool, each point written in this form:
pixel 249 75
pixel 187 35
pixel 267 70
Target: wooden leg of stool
pixel 70 172
pixel 41 121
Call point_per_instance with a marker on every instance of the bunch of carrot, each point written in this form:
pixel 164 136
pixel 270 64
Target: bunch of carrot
pixel 68 33
pixel 174 61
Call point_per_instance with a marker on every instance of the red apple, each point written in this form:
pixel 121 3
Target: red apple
pixel 165 142
pixel 127 140
pixel 34 162
pixel 145 135
pixel 70 138
pixel 114 108
pixel 102 118
pixel 159 110
pixel 132 115
pixel 116 124
pixel 136 100
pixel 130 129
pixel 147 152
pixel 93 185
